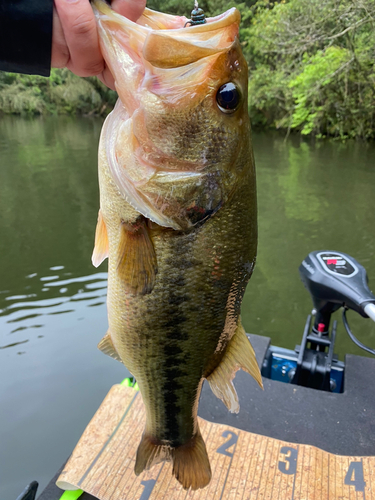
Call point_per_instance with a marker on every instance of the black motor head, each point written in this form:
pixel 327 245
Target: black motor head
pixel 334 279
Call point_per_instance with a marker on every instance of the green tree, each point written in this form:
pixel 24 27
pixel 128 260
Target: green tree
pixel 62 93
pixel 312 67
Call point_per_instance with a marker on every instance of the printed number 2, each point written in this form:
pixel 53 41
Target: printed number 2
pixel 289 464
pixel 224 447
pixel 354 476
pixel 149 485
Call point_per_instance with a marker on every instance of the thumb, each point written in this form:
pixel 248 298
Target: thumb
pixel 132 9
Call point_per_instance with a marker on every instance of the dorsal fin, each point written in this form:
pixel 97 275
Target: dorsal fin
pixel 239 354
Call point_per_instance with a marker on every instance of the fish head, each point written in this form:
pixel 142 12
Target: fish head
pixel 196 114
pixel 182 111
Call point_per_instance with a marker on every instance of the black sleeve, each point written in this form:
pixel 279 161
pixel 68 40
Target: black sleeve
pixel 26 36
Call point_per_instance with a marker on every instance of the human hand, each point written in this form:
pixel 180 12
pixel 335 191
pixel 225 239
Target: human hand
pixel 75 41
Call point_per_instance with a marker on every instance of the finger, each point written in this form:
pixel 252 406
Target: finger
pixel 60 52
pixel 79 26
pixel 132 9
pixel 107 78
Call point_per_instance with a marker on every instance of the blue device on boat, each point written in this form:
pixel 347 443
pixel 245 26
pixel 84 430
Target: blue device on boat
pixel 334 280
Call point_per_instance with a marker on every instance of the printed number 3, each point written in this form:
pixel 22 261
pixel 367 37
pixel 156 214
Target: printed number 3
pixel 289 464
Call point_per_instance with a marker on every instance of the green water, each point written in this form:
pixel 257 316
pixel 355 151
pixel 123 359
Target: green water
pixel 52 301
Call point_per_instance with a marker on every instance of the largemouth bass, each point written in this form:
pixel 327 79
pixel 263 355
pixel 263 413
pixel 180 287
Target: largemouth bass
pixel 177 222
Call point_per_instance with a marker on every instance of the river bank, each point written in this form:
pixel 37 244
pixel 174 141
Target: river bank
pixel 311 69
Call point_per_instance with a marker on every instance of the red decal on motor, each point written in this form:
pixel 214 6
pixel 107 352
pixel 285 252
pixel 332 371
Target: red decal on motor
pixel 331 261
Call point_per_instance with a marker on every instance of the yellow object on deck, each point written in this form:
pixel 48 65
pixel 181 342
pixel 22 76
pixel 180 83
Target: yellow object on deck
pixel 245 466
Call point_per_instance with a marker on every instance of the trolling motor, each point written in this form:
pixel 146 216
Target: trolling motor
pixel 334 280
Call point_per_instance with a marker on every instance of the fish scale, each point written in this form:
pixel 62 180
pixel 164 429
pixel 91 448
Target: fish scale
pixel 181 244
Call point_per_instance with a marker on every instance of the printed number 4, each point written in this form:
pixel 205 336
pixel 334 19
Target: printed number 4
pixel 354 476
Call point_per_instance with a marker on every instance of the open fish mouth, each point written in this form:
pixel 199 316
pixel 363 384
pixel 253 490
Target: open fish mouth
pixel 161 40
pixel 151 20
pixel 161 67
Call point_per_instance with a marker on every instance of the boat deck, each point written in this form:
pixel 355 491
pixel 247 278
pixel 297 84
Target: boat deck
pixel 340 424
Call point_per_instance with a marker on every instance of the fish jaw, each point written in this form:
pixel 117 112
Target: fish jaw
pixel 134 50
pixel 137 52
pixel 171 151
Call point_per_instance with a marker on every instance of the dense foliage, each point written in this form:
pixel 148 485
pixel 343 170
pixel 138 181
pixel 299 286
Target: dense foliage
pixel 311 68
pixel 62 93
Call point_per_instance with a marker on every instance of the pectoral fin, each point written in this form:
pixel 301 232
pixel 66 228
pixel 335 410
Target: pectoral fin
pixel 137 264
pixel 101 242
pixel 239 354
pixel 107 347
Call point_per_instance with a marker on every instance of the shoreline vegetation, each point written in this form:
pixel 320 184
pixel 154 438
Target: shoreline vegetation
pixel 311 69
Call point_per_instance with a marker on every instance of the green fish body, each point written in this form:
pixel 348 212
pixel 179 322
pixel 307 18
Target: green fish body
pixel 177 222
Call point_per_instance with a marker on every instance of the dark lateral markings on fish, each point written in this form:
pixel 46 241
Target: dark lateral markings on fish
pixel 223 449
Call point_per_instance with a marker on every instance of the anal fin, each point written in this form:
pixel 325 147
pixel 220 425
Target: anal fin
pixel 239 354
pixel 100 252
pixel 137 264
pixel 107 347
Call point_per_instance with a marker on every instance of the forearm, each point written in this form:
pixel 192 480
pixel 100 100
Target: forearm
pixel 26 36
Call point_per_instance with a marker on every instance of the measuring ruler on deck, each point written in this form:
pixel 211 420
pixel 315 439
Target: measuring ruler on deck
pixel 245 466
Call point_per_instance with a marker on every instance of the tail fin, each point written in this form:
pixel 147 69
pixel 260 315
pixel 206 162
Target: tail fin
pixel 191 465
pixel 150 453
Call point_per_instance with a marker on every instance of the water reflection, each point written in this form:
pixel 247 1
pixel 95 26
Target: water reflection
pixel 311 196
pixel 53 376
pixel 52 301
pixel 58 298
pixel 14 344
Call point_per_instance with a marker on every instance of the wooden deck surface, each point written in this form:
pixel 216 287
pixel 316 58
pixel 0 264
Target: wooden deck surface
pixel 245 466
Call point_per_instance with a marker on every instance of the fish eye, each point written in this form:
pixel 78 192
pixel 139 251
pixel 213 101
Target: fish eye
pixel 228 98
